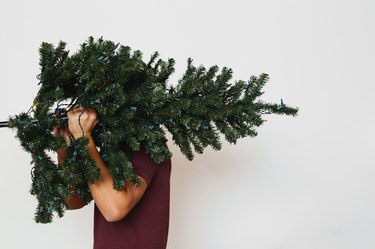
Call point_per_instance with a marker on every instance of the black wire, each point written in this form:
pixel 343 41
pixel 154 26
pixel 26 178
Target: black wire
pixel 4 124
pixel 79 121
pixel 29 110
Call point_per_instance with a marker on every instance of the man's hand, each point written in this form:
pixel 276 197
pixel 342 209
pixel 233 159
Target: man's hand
pixel 84 116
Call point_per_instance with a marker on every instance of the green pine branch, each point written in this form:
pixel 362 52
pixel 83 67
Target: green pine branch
pixel 134 107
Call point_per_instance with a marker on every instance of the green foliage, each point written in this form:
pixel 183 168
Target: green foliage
pixel 134 107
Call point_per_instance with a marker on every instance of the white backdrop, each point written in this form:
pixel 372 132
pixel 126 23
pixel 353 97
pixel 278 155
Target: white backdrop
pixel 302 183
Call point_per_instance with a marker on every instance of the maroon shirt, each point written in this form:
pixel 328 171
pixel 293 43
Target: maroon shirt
pixel 146 225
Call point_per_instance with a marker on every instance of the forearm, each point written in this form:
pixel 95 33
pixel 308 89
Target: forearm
pixel 111 202
pixel 74 202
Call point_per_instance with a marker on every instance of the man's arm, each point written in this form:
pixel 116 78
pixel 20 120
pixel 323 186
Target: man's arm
pixel 74 202
pixel 113 204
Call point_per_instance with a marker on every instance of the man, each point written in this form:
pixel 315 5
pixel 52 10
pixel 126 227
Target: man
pixel 135 218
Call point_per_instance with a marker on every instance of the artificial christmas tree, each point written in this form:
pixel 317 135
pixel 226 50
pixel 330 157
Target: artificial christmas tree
pixel 134 106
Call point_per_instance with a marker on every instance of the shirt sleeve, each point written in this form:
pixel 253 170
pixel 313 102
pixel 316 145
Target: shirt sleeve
pixel 144 166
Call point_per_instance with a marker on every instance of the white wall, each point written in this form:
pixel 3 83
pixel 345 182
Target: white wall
pixel 303 183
